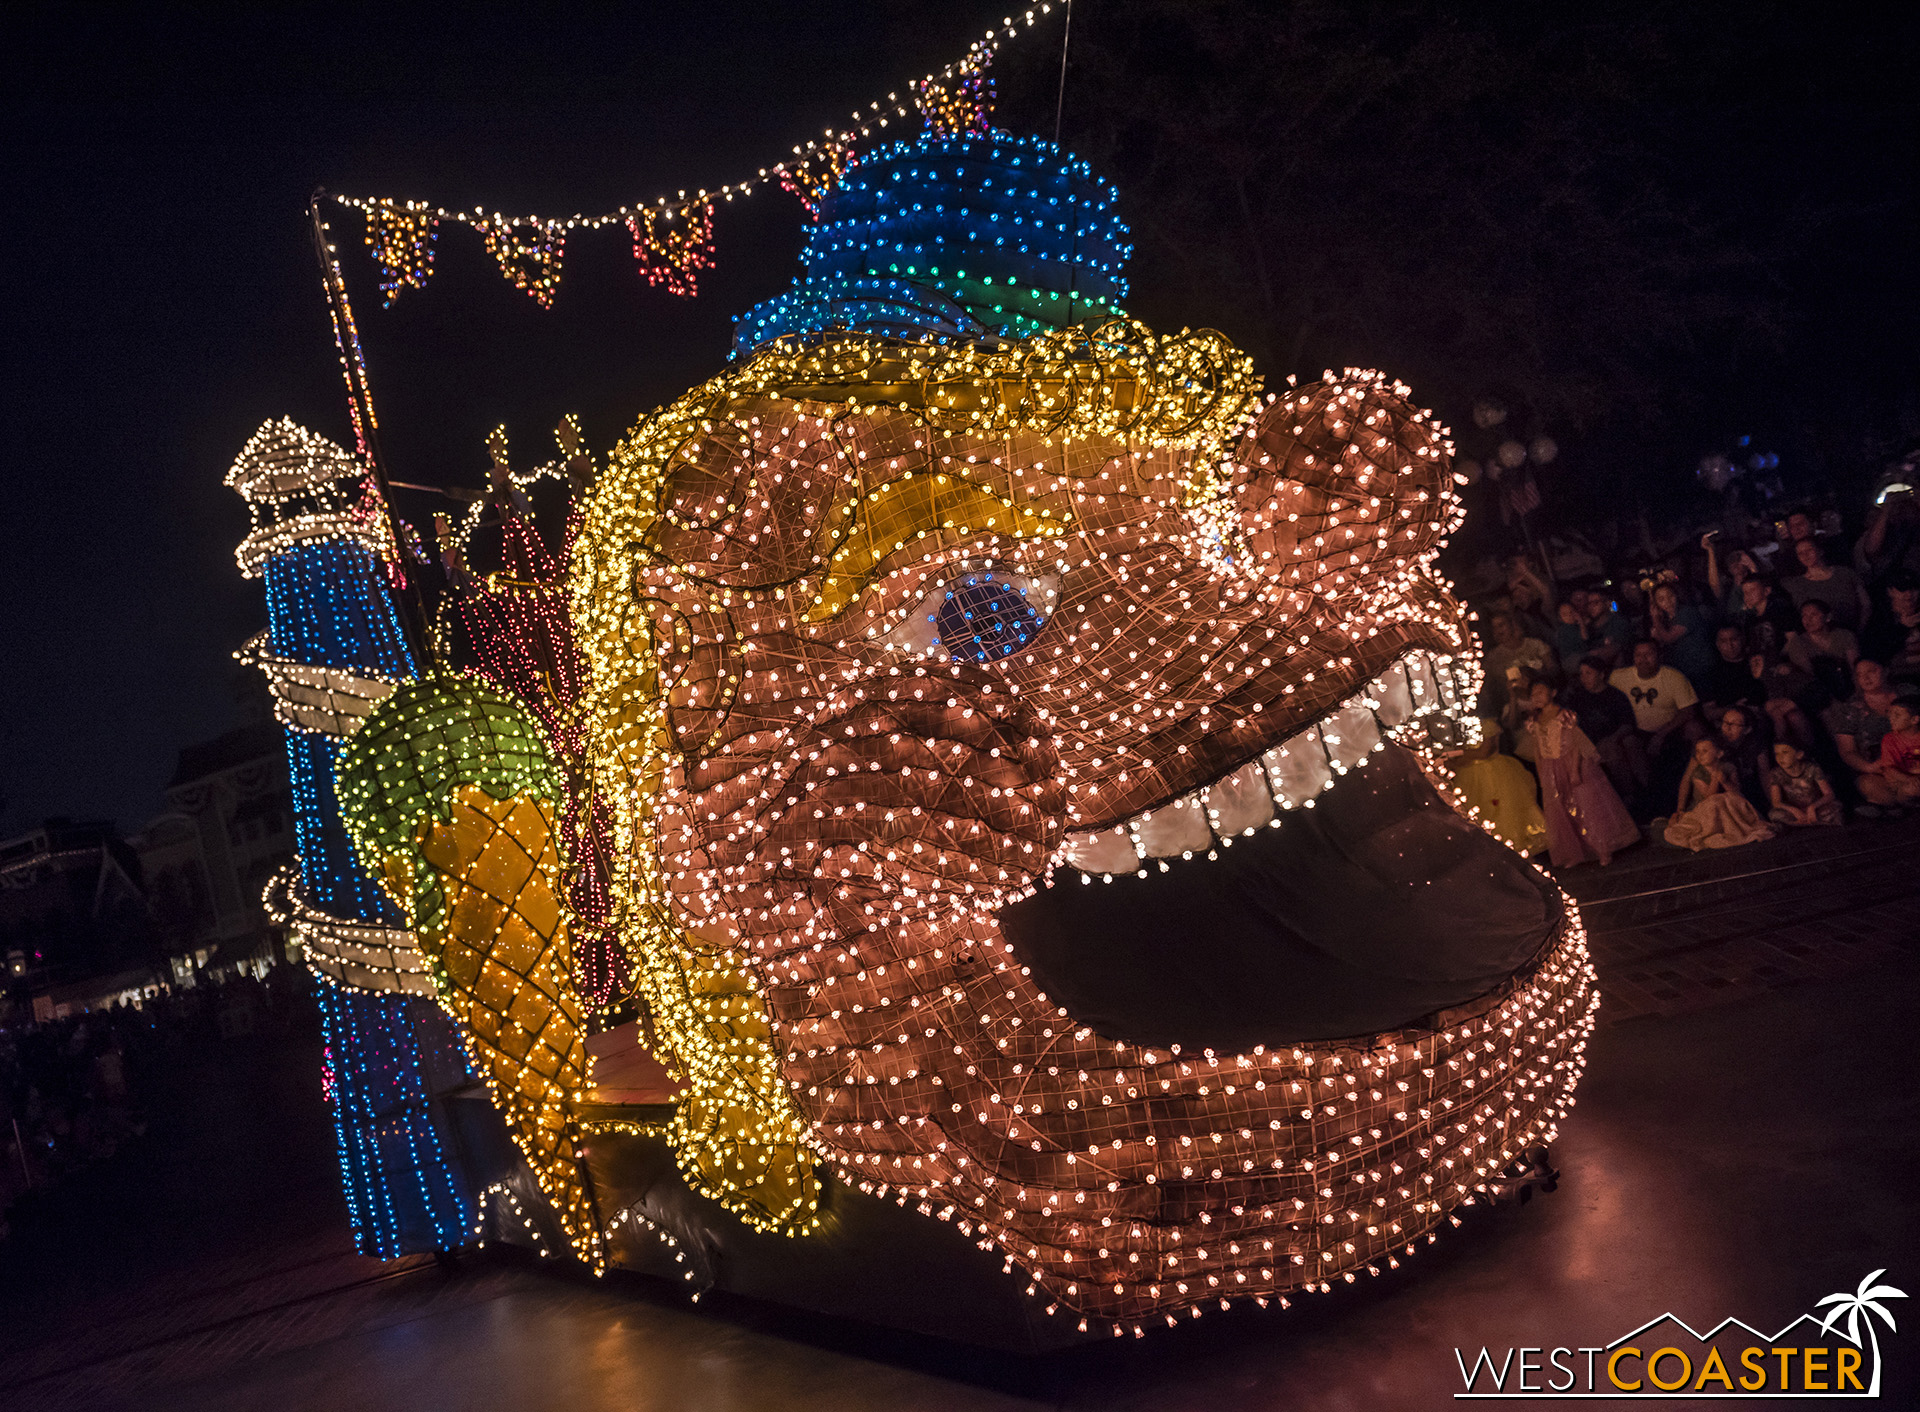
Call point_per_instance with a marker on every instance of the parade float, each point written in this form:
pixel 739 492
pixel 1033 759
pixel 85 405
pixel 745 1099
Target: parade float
pixel 954 835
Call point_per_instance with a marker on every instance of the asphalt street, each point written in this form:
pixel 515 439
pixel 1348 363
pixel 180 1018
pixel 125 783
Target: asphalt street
pixel 1743 1145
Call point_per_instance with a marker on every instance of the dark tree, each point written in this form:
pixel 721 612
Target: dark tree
pixel 1390 182
pixel 1582 210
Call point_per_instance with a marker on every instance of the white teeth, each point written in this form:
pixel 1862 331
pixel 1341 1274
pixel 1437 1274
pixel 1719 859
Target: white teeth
pixel 1289 776
pixel 1298 770
pixel 1241 802
pixel 1394 691
pixel 1180 827
pixel 1351 734
pixel 1110 851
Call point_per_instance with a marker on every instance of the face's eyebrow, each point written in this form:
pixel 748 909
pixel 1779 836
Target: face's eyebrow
pixel 912 508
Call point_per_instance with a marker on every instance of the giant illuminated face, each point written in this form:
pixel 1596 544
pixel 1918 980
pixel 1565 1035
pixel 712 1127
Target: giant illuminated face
pixel 977 723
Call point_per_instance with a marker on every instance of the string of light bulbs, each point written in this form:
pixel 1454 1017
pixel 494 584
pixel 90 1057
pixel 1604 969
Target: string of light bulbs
pixel 673 235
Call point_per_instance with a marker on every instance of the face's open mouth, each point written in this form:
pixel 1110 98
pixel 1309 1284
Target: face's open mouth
pixel 1209 924
pixel 1371 912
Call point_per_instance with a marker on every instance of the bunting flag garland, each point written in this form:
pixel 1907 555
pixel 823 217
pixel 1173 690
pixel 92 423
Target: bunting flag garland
pixel 817 171
pixel 529 251
pixel 966 106
pixel 401 235
pixel 669 256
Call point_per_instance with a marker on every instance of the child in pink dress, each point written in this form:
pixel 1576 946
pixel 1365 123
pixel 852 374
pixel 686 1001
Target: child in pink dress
pixel 1711 812
pixel 1585 818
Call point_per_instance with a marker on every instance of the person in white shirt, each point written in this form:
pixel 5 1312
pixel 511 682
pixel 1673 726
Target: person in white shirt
pixel 1664 707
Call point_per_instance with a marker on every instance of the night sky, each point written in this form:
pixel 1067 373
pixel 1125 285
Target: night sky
pixel 162 298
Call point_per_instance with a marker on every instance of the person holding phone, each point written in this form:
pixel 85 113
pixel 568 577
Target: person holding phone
pixel 1512 656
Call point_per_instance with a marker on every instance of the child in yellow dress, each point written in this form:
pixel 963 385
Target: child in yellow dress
pixel 1501 790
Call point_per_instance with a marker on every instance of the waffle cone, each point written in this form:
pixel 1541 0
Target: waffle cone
pixel 505 965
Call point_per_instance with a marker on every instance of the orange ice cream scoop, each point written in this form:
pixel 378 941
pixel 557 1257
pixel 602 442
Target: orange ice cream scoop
pixel 449 794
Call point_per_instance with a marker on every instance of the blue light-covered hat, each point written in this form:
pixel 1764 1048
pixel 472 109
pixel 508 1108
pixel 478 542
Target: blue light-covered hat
pixel 961 235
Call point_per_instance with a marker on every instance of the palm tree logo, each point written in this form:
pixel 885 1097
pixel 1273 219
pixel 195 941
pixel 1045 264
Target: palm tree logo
pixel 1862 1301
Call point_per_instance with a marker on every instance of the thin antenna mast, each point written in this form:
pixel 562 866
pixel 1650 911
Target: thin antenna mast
pixel 412 603
pixel 1060 100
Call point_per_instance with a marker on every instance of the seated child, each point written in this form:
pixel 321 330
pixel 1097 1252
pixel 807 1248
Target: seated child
pixel 1802 794
pixel 1899 763
pixel 1501 791
pixel 1743 738
pixel 1711 812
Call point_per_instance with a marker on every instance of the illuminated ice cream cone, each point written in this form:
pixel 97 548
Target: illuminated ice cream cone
pixel 450 794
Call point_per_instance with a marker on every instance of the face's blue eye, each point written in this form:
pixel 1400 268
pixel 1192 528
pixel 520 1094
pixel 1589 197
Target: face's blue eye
pixel 984 619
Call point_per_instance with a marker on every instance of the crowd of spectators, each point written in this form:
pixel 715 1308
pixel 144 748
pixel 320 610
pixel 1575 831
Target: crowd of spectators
pixel 1740 684
pixel 74 1090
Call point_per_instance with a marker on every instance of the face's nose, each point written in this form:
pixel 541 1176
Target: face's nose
pixel 1186 644
pixel 1344 484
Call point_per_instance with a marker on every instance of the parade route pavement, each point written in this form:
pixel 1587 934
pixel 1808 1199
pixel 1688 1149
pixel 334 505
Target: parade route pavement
pixel 1741 1145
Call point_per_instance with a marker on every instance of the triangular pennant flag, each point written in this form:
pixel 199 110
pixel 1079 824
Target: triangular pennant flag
pixel 669 255
pixel 529 251
pixel 815 172
pixel 401 236
pixel 966 106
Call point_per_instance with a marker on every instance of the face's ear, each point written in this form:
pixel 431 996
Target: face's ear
pixel 688 643
pixel 744 496
pixel 1344 476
